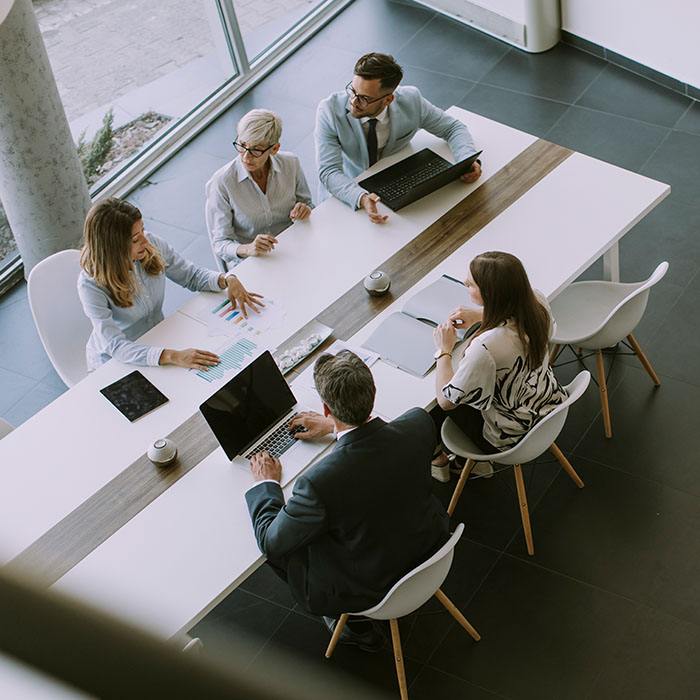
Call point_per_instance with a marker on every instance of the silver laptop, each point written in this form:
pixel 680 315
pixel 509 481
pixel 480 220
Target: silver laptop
pixel 251 413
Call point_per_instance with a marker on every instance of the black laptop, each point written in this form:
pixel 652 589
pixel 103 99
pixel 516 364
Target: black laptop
pixel 251 413
pixel 414 177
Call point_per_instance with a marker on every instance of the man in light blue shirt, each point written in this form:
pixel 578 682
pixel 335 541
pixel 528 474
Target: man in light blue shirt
pixel 371 118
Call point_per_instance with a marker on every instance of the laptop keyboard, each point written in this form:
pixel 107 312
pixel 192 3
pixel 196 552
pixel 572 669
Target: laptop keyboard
pixel 279 440
pixel 399 187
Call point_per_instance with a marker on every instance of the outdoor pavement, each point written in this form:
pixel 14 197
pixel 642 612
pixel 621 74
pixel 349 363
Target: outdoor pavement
pixel 101 50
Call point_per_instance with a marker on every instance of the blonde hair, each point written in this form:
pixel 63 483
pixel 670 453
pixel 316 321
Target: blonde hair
pixel 106 254
pixel 260 126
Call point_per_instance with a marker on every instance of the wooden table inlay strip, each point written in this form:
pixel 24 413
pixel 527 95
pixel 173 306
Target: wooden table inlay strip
pixel 100 516
pixel 69 541
pixel 356 308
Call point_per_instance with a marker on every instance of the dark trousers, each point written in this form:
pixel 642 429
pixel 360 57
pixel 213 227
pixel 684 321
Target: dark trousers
pixel 470 422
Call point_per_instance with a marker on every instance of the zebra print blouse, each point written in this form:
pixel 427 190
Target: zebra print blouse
pixel 494 376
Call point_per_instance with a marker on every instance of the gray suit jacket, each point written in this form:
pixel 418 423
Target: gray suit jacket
pixel 341 146
pixel 358 520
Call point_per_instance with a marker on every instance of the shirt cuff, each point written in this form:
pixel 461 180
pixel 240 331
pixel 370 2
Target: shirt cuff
pixel 214 282
pixel 153 356
pixel 264 481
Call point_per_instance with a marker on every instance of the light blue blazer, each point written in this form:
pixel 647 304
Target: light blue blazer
pixel 341 146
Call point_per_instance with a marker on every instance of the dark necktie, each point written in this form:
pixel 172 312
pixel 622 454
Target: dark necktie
pixel 372 141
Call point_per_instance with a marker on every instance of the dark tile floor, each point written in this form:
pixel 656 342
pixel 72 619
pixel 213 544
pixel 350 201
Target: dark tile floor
pixel 609 606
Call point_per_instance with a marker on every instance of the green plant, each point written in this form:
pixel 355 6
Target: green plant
pixel 93 155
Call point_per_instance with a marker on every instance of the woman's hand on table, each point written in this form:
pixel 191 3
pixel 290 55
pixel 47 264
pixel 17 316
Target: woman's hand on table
pixel 316 425
pixel 464 317
pixel 260 245
pixel 444 336
pixel 300 211
pixel 240 297
pixel 191 358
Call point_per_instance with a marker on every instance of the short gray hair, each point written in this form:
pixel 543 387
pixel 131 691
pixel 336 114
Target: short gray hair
pixel 346 386
pixel 260 126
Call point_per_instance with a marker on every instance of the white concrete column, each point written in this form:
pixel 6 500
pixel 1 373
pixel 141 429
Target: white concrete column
pixel 42 186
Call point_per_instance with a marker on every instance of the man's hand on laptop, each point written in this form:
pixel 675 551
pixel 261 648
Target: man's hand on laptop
pixel 316 425
pixel 264 466
pixel 473 175
pixel 368 201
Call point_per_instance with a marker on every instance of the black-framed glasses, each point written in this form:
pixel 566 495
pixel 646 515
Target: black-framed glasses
pixel 255 152
pixel 363 100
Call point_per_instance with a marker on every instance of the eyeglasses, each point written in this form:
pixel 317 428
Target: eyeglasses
pixel 363 100
pixel 255 152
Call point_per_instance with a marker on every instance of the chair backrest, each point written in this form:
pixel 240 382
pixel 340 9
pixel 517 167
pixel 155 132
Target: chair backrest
pixel 626 314
pixel 63 327
pixel 546 431
pixel 5 428
pixel 417 586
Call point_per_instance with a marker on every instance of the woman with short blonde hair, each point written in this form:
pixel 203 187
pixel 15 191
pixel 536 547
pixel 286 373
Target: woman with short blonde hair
pixel 252 199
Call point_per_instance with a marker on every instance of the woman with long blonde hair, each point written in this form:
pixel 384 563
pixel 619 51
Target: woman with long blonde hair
pixel 122 287
pixel 504 383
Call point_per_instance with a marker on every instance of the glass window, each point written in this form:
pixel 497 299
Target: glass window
pixel 263 22
pixel 8 249
pixel 126 70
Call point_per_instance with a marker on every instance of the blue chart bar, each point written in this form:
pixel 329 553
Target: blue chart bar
pixel 234 357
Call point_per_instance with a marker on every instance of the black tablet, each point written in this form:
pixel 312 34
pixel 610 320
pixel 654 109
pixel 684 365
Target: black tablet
pixel 134 395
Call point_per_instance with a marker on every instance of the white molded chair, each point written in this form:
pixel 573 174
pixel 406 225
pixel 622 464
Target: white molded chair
pixel 596 315
pixel 406 596
pixel 540 439
pixel 5 428
pixel 63 327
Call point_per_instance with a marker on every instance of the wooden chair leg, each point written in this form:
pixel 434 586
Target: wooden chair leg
pixel 643 359
pixel 603 392
pixel 398 658
pixel 460 486
pixel 454 611
pixel 336 634
pixel 554 353
pixel 565 463
pixel 524 512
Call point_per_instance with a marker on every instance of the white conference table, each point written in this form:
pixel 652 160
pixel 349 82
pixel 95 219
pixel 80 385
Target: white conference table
pixel 185 551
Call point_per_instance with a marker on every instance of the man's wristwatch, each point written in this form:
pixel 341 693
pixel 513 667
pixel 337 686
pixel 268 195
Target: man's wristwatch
pixel 227 275
pixel 439 353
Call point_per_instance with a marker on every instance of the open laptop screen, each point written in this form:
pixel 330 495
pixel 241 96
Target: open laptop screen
pixel 247 406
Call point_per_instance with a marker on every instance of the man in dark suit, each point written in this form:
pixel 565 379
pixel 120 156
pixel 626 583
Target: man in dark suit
pixel 364 515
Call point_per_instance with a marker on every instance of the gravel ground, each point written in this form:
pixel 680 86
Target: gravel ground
pixel 131 138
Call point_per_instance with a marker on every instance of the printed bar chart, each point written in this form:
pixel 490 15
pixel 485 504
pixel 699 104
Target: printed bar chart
pixel 226 320
pixel 234 357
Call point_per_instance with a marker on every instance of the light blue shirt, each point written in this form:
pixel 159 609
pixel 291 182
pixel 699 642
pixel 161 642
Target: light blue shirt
pixel 341 144
pixel 114 328
pixel 237 210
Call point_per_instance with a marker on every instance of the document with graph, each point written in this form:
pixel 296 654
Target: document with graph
pixel 222 319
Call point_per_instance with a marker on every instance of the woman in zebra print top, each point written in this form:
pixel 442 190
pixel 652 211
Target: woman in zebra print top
pixel 504 383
